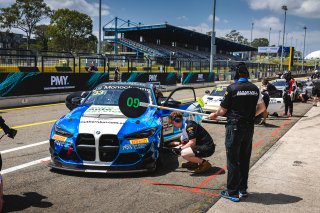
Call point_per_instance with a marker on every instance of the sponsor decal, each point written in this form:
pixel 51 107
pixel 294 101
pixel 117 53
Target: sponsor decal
pixel 59 82
pixel 139 141
pixel 97 109
pixel 153 77
pixel 59 138
pixel 219 89
pixel 190 128
pixel 200 77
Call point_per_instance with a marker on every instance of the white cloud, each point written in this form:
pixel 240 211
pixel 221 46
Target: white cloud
pixel 210 18
pixel 201 28
pixel 267 22
pixel 184 18
pixel 225 21
pixel 302 8
pixel 84 6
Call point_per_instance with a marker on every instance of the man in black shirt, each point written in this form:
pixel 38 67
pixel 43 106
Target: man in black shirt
pixel 196 143
pixel 242 102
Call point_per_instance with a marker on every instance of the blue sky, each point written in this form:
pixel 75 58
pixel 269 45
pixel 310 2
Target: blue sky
pixel 195 14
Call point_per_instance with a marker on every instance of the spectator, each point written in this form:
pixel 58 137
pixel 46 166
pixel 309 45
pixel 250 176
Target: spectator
pixel 116 74
pixel 92 67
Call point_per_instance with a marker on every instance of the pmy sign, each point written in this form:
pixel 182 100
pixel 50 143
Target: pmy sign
pixel 268 49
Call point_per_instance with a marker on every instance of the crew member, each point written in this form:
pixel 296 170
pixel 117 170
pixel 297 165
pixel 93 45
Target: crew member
pixel 267 90
pixel 11 133
pixel 241 103
pixel 316 92
pixel 196 143
pixel 288 95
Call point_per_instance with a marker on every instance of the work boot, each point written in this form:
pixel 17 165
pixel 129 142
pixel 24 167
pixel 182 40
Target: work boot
pixel 203 167
pixel 189 165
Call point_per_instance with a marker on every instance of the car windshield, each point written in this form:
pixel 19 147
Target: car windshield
pixel 218 92
pixel 109 95
pixel 279 83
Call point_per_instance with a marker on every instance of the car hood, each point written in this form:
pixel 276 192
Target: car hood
pixel 98 119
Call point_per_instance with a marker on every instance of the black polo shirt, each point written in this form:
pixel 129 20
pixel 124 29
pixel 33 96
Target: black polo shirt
pixel 241 100
pixel 196 131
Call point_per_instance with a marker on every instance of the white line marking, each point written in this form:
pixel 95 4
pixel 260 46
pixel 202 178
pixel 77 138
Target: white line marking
pixel 22 166
pixel 23 147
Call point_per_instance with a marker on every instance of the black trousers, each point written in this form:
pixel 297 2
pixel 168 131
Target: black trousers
pixel 288 104
pixel 238 144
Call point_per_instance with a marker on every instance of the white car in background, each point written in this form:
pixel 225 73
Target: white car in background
pixel 213 99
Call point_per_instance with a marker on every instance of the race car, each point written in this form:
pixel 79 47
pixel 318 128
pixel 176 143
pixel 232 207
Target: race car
pixel 97 137
pixel 212 101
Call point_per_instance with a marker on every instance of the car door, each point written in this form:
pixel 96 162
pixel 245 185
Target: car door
pixel 183 98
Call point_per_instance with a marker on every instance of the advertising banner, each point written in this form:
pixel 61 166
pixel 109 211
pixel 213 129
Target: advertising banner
pixel 33 83
pixel 193 77
pixel 162 78
pixel 268 49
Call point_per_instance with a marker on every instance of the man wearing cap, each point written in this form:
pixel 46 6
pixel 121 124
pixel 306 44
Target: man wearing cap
pixel 241 103
pixel 196 143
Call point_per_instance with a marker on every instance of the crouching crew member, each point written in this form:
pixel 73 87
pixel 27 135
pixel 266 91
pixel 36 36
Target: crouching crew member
pixel 241 103
pixel 196 143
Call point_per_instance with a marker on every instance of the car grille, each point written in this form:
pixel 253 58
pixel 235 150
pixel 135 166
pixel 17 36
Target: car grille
pixel 86 147
pixel 128 158
pixel 63 154
pixel 108 147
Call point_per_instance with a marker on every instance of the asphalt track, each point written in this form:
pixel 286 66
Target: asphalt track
pixel 30 186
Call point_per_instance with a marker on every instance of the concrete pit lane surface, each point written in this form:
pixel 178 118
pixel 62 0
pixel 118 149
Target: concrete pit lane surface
pixel 30 186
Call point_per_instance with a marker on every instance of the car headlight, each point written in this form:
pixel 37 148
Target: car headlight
pixel 59 131
pixel 142 134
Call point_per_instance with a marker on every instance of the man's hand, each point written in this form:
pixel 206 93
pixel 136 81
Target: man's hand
pixel 213 116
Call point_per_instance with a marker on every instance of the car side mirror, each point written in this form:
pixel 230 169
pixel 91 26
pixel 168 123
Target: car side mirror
pixel 207 92
pixel 76 101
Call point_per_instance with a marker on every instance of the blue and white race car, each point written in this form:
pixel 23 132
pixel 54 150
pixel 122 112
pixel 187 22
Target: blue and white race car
pixel 97 137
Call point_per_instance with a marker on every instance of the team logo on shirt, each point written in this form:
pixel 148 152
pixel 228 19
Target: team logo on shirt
pixel 247 93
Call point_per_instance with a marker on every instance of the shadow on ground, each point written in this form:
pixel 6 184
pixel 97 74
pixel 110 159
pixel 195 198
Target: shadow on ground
pixel 271 199
pixel 14 203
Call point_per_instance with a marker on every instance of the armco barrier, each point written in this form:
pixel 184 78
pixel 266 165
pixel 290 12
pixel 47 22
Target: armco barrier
pixel 169 78
pixel 194 77
pixel 35 83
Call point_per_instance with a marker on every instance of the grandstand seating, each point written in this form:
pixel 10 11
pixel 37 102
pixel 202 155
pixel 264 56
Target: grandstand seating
pixel 165 51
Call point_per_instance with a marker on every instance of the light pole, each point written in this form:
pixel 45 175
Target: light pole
pixel 213 37
pixel 252 24
pixel 99 39
pixel 304 46
pixel 286 44
pixel 269 40
pixel 279 38
pixel 285 8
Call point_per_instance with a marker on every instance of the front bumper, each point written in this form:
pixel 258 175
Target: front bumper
pixel 98 168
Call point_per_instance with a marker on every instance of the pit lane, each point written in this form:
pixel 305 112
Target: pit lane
pixel 171 189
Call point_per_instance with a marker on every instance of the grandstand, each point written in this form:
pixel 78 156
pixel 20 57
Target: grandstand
pixel 164 40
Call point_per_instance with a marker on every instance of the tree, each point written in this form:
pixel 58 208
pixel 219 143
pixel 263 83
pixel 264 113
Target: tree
pixel 24 15
pixel 42 37
pixel 260 42
pixel 71 31
pixel 236 36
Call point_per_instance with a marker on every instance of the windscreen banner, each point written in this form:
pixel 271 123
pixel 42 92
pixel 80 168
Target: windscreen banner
pixel 169 78
pixel 34 83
